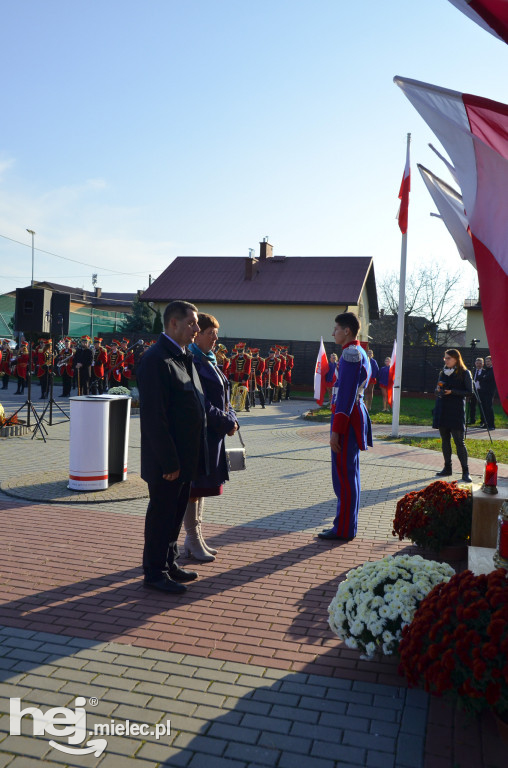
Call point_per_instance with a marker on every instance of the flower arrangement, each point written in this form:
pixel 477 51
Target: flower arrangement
pixel 119 391
pixel 457 644
pixel 378 599
pixel 438 515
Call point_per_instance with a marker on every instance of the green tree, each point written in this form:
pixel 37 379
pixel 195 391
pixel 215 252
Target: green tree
pixel 157 323
pixel 140 320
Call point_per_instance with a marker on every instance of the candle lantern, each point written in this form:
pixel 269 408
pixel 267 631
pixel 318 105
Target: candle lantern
pixel 490 474
pixel 501 553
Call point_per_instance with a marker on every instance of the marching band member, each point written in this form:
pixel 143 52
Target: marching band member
pixel 114 365
pixel 239 370
pixel 256 377
pixel 5 363
pixel 65 367
pixel 290 362
pixel 100 359
pixel 128 363
pixel 44 365
pixel 272 365
pixel 22 367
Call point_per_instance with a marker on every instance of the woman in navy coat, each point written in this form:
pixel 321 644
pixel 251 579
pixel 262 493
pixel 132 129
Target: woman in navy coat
pixel 221 421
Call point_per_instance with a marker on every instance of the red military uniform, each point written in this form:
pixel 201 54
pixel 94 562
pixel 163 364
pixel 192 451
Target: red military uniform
pixel 100 359
pixel 44 367
pixel 5 363
pixel 290 362
pixel 22 368
pixel 65 367
pixel 114 365
pixel 128 363
pixel 239 369
pixel 271 374
pixel 256 378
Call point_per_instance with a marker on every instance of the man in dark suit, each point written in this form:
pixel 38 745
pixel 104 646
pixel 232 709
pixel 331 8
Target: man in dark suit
pixel 173 443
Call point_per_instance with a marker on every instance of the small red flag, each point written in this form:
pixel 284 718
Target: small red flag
pixel 404 195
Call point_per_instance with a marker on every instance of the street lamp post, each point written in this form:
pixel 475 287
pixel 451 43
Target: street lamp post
pixel 32 233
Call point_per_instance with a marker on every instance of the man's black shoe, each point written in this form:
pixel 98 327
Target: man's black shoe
pixel 445 472
pixel 331 536
pixel 165 584
pixel 181 574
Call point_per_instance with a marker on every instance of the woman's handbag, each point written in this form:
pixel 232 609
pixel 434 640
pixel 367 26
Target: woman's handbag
pixel 235 457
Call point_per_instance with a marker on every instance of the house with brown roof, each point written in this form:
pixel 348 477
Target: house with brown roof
pixel 271 297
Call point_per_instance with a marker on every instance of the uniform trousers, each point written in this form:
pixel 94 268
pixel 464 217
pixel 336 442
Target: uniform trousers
pixel 346 485
pixel 164 517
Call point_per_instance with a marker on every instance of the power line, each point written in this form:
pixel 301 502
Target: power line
pixel 75 261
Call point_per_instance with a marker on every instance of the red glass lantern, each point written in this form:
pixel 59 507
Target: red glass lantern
pixel 490 474
pixel 501 553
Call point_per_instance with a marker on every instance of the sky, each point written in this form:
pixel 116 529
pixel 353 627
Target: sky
pixel 134 132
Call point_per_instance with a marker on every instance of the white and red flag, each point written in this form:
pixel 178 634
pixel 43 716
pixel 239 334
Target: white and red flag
pixel 491 15
pixel 474 133
pixel 451 208
pixel 391 374
pixel 405 186
pixel 322 367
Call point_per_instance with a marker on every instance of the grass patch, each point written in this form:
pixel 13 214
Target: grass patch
pixel 413 410
pixel 477 449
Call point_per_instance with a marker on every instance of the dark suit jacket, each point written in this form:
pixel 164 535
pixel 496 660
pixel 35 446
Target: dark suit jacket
pixel 172 411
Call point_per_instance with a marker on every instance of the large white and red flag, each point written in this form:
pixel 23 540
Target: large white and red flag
pixel 451 208
pixel 405 186
pixel 491 15
pixel 322 367
pixel 391 374
pixel 474 133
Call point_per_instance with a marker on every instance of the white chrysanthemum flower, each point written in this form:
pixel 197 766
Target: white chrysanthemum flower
pixel 351 642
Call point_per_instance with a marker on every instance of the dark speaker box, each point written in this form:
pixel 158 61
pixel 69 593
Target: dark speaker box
pixel 33 310
pixel 60 309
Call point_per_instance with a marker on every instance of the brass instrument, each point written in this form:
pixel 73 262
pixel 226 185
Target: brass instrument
pixel 239 394
pixel 64 362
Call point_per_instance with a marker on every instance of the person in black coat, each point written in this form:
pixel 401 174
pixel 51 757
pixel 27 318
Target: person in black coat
pixel 487 392
pixel 82 362
pixel 453 386
pixel 173 443
pixel 221 421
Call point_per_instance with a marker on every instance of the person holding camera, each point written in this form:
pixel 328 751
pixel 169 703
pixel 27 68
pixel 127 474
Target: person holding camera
pixel 449 416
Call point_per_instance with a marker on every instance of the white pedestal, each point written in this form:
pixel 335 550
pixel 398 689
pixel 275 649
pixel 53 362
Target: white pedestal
pixel 99 441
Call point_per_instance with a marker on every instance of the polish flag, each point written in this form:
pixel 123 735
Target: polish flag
pixel 451 208
pixel 322 367
pixel 474 133
pixel 405 186
pixel 391 374
pixel 491 15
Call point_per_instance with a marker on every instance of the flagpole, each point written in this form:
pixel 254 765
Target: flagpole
pixel 400 329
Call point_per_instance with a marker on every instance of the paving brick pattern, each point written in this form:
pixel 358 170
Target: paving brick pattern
pixel 244 664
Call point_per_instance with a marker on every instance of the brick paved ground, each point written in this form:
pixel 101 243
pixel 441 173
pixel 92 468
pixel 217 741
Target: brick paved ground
pixel 243 664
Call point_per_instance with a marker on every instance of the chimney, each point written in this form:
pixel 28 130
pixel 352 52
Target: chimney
pixel 98 292
pixel 265 250
pixel 251 269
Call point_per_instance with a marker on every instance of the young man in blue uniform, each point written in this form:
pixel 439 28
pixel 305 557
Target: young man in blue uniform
pixel 350 428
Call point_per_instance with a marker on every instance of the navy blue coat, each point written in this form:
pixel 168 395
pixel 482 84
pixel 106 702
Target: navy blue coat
pixel 220 419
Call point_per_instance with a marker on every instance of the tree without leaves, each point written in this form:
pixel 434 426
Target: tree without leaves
pixel 433 303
